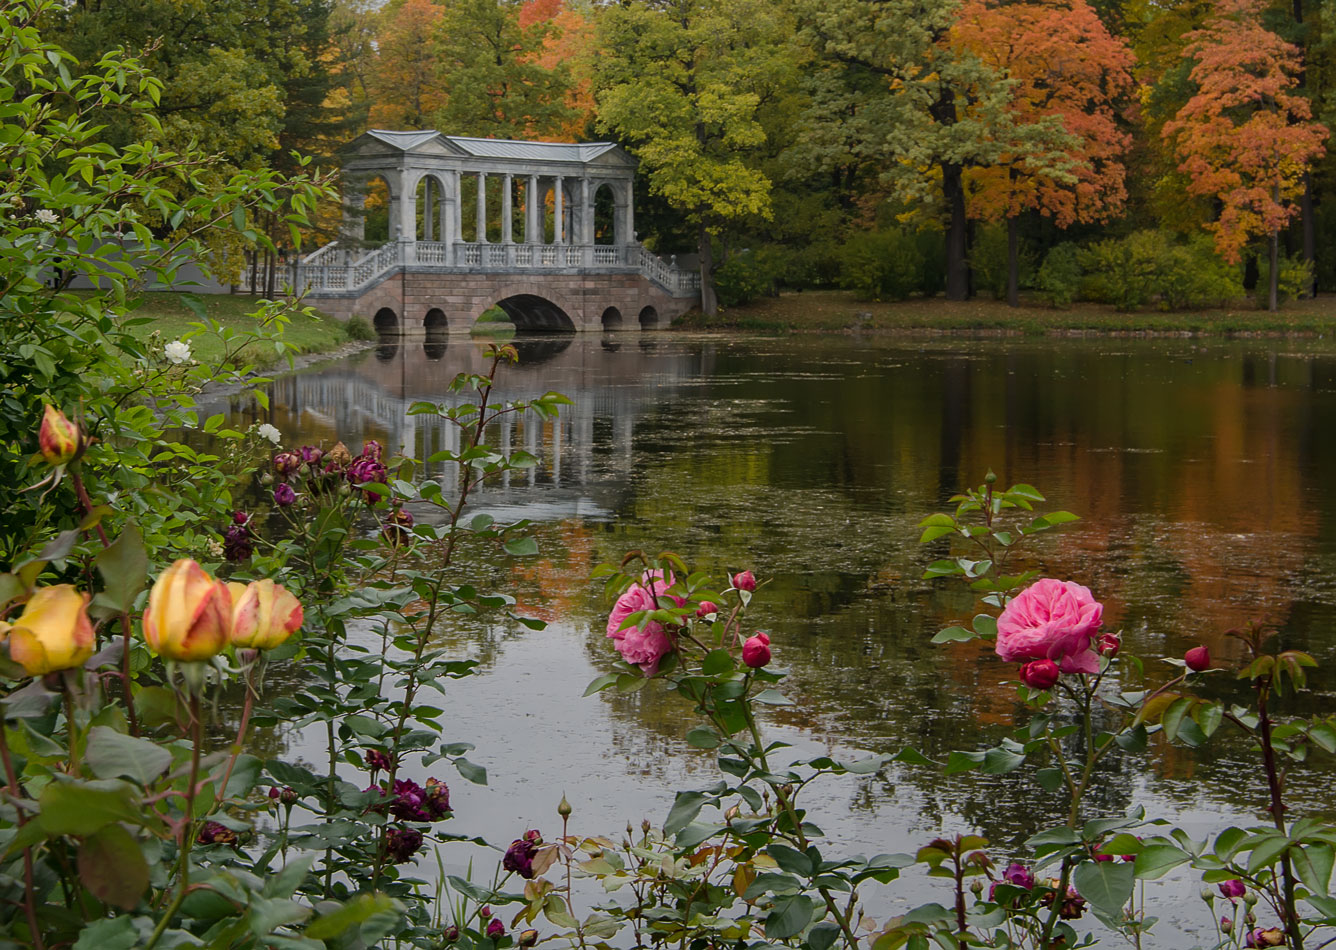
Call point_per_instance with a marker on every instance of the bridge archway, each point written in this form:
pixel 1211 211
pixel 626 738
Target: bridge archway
pixel 385 321
pixel 532 313
pixel 605 215
pixel 649 318
pixel 429 203
pixel 435 320
pixel 612 319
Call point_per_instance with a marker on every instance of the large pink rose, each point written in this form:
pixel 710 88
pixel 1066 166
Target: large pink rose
pixel 1052 620
pixel 645 645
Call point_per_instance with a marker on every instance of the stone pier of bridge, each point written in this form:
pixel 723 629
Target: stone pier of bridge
pixel 543 230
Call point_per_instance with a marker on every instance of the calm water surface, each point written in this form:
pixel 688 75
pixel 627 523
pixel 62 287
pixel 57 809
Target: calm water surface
pixel 1205 475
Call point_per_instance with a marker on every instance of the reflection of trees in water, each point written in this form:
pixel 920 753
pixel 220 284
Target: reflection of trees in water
pixel 535 348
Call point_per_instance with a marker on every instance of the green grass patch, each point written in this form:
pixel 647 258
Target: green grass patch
pixel 172 319
pixel 839 311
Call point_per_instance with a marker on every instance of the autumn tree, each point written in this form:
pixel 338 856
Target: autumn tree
pixel 1245 138
pixel 569 43
pixel 681 83
pixel 497 82
pixel 894 92
pixel 405 89
pixel 1068 79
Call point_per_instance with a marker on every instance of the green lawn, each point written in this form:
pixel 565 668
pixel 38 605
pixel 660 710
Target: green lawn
pixel 173 319
pixel 834 310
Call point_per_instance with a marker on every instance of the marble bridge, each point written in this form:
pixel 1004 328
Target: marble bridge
pixel 438 228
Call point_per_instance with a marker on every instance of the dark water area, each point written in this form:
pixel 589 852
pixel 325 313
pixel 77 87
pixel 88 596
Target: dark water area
pixel 1205 475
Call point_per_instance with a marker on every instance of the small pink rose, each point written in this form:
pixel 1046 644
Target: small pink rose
pixel 1052 620
pixel 745 580
pixel 1198 659
pixel 646 644
pixel 756 651
pixel 1040 674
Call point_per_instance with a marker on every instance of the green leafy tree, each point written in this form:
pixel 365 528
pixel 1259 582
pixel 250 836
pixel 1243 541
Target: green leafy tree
pixel 681 83
pixel 489 64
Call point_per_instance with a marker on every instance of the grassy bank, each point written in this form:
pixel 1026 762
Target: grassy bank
pixel 173 319
pixel 834 310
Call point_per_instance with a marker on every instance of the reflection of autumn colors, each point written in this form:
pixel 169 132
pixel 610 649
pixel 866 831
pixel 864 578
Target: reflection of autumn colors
pixel 1200 474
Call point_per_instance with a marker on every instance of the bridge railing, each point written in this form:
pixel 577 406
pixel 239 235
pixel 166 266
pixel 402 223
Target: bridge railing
pixel 342 269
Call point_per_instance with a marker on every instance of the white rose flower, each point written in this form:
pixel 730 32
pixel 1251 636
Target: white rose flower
pixel 215 549
pixel 266 431
pixel 178 351
pixel 47 216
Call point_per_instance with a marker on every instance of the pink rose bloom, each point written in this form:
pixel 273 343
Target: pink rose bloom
pixel 645 645
pixel 1052 620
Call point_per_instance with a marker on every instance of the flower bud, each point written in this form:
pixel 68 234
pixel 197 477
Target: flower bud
pixel 756 651
pixel 53 632
pixel 284 495
pixel 1206 894
pixel 287 463
pixel 240 518
pixel 189 613
pixel 288 796
pixel 485 911
pixel 495 929
pixel 264 614
pixel 706 608
pixel 1250 898
pixel 266 479
pixel 58 438
pixel 451 934
pixel 1109 645
pixel 1197 659
pixel 564 807
pixel 1040 674
pixel 1226 925
pixel 976 886
pixel 528 938
pixel 732 813
pixel 745 580
pixel 1233 888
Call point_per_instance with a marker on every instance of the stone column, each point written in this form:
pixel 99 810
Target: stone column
pixel 354 213
pixel 532 228
pixel 481 224
pixel 558 188
pixel 506 213
pixel 586 213
pixel 405 203
pixel 428 207
pixel 629 224
pixel 443 216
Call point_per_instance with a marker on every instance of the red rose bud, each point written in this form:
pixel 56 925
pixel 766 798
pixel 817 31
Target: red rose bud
pixel 1233 888
pixel 1109 645
pixel 1040 674
pixel 706 608
pixel 746 580
pixel 756 651
pixel 58 438
pixel 495 929
pixel 1197 659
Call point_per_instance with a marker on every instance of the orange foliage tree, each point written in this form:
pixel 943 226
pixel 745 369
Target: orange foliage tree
pixel 1245 138
pixel 570 42
pixel 405 85
pixel 1069 78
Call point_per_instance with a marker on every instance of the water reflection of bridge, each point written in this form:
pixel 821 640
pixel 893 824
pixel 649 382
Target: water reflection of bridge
pixel 583 453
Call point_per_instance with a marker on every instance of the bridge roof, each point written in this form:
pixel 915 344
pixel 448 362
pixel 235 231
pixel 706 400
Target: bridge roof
pixel 573 153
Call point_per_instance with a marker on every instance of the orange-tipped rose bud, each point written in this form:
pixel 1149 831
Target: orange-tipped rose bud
pixel 58 437
pixel 53 633
pixel 189 613
pixel 264 614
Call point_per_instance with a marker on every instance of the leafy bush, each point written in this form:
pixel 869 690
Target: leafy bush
pixel 746 276
pixel 881 265
pixel 1296 274
pixel 932 271
pixel 1059 277
pixel 359 328
pixel 1150 266
pixel 988 261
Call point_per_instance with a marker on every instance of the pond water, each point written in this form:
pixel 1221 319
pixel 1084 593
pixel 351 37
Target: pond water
pixel 1205 475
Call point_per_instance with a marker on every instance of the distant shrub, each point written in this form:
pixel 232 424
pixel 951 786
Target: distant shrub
pixel 932 271
pixel 1059 278
pixel 988 261
pixel 359 327
pixel 746 276
pixel 881 265
pixel 1152 267
pixel 1293 280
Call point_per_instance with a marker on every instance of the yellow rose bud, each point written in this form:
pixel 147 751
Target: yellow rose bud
pixel 264 614
pixel 53 633
pixel 58 437
pixel 189 613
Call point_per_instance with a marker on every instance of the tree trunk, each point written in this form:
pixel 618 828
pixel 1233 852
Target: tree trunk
pixel 1272 301
pixel 1013 263
pixel 709 304
pixel 957 242
pixel 1310 234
